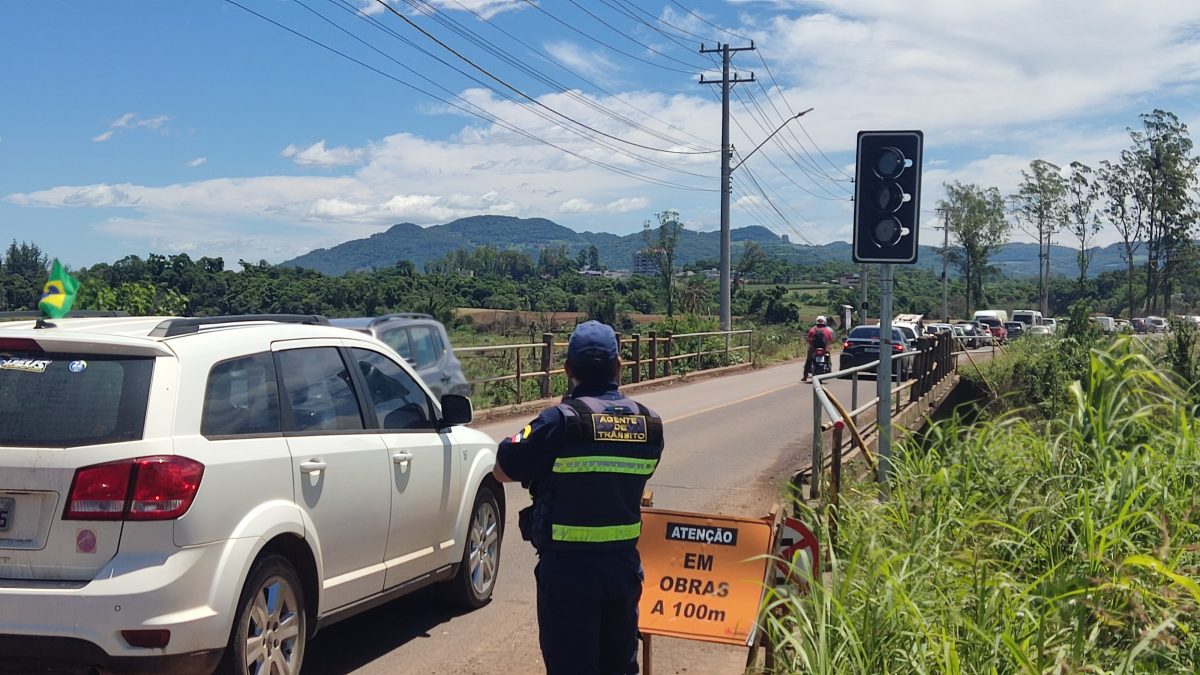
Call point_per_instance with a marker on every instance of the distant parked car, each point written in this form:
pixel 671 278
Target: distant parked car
pixel 1140 325
pixel 1015 329
pixel 1156 324
pixel 995 327
pixel 1123 326
pixel 974 336
pixel 422 341
pixel 1052 324
pixel 862 346
pixel 1039 331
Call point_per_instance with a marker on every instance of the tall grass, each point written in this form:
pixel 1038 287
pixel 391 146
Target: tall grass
pixel 1021 545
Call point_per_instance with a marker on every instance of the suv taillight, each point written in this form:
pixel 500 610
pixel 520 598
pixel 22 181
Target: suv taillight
pixel 147 488
pixel 846 344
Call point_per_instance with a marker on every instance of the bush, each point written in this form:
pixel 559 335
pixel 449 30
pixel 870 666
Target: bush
pixel 1020 546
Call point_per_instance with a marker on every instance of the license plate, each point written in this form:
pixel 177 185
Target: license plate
pixel 6 512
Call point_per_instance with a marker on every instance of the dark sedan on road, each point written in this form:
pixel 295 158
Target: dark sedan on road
pixel 1015 329
pixel 862 346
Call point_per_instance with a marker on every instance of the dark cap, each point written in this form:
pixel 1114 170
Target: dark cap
pixel 592 342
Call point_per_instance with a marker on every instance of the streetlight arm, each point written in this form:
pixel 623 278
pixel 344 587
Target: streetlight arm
pixel 781 126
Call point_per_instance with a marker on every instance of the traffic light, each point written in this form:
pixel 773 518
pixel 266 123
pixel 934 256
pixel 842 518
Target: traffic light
pixel 887 196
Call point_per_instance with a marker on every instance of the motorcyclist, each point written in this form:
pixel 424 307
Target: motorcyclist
pixel 819 337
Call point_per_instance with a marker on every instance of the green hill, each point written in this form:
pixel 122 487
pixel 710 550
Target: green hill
pixel 407 241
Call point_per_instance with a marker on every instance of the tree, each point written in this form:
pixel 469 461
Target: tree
pixel 1039 210
pixel 752 261
pixel 1082 192
pixel 975 217
pixel 593 257
pixel 1162 170
pixel 660 243
pixel 1123 212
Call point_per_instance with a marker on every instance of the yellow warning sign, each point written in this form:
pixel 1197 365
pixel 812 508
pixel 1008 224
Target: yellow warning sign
pixel 704 575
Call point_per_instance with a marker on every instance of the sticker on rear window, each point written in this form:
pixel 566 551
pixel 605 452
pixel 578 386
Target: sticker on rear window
pixel 24 364
pixel 77 366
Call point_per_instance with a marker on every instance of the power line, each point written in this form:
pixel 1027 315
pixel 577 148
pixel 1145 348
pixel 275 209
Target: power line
pixel 482 83
pixel 829 196
pixel 519 92
pixel 788 106
pixel 723 30
pixel 632 39
pixel 621 8
pixel 812 162
pixel 764 124
pixel 502 54
pixel 484 115
pixel 549 59
pixel 593 38
pixel 682 31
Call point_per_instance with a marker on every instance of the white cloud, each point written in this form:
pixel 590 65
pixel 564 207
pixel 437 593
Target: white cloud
pixel 576 205
pixel 132 121
pixel 594 64
pixel 318 155
pixel 192 163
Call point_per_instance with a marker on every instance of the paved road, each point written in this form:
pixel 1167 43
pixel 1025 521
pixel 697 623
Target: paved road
pixel 730 443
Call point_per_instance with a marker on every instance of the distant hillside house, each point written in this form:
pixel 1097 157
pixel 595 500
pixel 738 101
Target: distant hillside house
pixel 848 280
pixel 645 262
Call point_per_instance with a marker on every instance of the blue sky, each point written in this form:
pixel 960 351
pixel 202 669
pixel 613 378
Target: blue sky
pixel 137 127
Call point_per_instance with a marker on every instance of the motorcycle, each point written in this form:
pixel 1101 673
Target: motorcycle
pixel 821 362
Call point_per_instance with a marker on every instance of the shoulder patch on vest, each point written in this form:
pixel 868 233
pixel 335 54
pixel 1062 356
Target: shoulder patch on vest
pixel 612 427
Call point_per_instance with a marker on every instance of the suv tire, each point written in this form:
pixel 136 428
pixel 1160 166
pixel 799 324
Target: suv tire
pixel 472 585
pixel 271 612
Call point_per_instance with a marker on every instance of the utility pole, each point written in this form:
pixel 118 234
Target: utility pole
pixel 864 276
pixel 726 85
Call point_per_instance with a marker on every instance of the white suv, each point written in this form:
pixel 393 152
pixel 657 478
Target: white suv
pixel 178 495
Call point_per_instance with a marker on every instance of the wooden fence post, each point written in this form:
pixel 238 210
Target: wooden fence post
pixel 547 360
pixel 621 369
pixel 667 355
pixel 637 357
pixel 653 335
pixel 519 375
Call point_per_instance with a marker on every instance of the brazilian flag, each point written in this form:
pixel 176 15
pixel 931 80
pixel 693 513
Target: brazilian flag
pixel 59 292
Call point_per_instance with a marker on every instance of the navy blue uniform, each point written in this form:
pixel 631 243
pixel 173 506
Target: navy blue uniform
pixel 586 463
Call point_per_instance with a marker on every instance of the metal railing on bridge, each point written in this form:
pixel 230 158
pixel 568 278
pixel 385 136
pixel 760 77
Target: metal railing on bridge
pixel 643 357
pixel 933 362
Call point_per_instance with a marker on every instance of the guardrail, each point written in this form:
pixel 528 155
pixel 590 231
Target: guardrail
pixel 931 365
pixel 643 357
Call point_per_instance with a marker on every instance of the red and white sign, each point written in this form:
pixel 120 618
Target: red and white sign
pixel 798 548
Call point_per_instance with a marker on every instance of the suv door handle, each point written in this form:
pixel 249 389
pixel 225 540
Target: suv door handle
pixel 402 457
pixel 313 466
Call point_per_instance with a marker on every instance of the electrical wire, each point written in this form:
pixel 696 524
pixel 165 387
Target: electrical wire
pixel 490 47
pixel 723 30
pixel 555 62
pixel 504 83
pixel 593 38
pixel 764 124
pixel 483 115
pixel 788 106
pixel 681 31
pixel 632 39
pixel 811 161
pixel 482 83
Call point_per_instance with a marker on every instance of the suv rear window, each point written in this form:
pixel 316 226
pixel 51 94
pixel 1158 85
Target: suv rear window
pixel 67 400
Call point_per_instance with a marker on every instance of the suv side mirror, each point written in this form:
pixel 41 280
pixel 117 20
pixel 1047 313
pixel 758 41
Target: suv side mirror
pixel 456 410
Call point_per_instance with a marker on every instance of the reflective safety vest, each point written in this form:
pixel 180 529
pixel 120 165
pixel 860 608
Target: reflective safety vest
pixel 591 500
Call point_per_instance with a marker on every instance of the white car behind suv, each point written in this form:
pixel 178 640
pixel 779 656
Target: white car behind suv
pixel 178 495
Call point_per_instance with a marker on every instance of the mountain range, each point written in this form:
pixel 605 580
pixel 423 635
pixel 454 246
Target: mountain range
pixel 407 241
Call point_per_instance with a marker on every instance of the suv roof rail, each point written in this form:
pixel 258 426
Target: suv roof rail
pixel 173 327
pixel 401 315
pixel 75 314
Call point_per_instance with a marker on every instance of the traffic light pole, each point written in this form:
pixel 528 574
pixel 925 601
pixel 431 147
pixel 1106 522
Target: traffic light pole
pixel 883 413
pixel 726 53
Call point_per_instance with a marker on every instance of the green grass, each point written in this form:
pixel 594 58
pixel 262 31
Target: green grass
pixel 1021 544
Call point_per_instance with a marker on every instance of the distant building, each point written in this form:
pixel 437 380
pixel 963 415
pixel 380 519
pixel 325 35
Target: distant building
pixel 848 280
pixel 645 262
